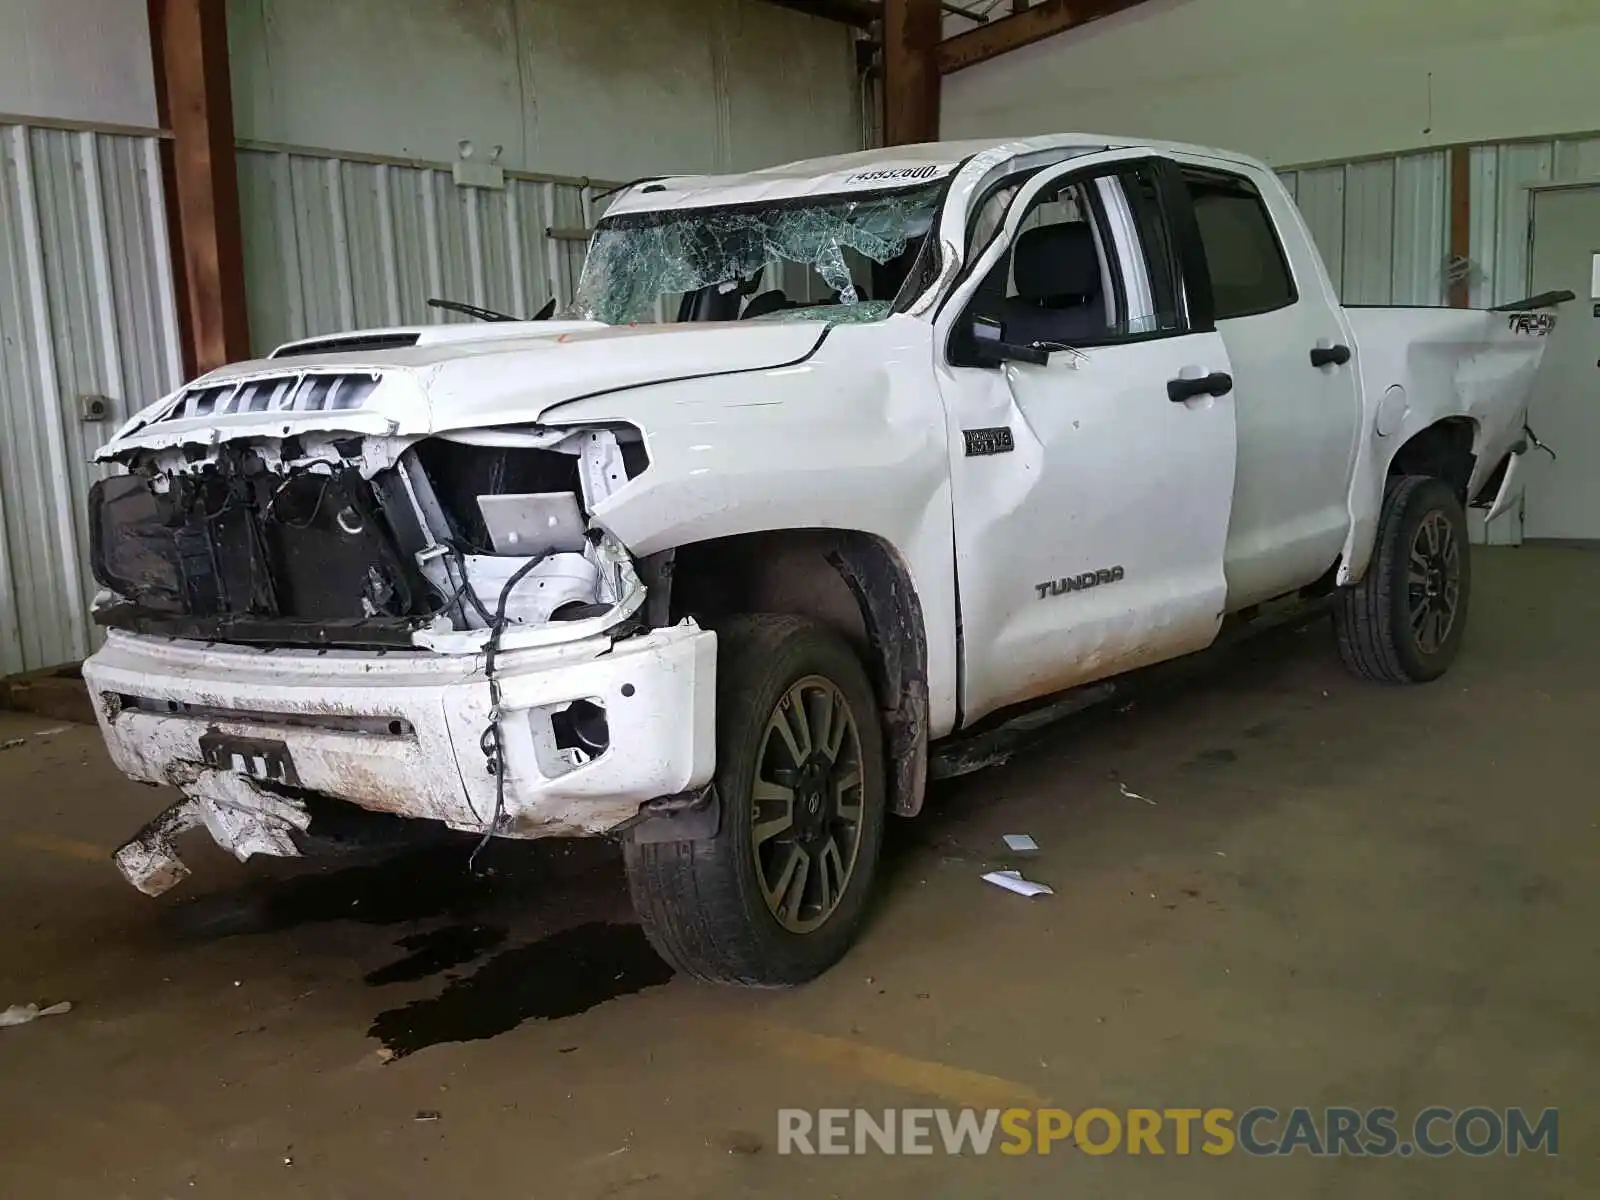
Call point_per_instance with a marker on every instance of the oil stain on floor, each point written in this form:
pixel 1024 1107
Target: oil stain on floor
pixel 559 976
pixel 481 930
pixel 437 950
pixel 417 884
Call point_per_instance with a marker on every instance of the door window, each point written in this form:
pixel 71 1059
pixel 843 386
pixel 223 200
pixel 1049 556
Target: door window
pixel 1090 265
pixel 1249 272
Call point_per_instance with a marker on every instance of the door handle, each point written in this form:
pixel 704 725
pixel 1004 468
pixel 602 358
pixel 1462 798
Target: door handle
pixel 1330 356
pixel 1218 383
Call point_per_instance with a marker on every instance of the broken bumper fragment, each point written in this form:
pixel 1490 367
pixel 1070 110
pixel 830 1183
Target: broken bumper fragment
pixel 241 818
pixel 591 729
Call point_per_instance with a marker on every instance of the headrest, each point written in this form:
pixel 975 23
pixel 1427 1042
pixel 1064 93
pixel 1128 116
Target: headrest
pixel 1052 261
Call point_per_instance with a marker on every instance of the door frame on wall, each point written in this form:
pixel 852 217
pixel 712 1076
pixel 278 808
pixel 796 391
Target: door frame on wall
pixel 1581 309
pixel 1510 528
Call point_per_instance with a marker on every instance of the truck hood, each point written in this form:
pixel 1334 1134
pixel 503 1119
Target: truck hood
pixel 416 382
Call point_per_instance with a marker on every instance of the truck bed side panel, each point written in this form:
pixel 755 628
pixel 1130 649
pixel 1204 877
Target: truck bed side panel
pixel 1420 366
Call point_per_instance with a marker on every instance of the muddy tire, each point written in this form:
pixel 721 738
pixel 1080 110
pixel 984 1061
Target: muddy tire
pixel 778 895
pixel 1404 622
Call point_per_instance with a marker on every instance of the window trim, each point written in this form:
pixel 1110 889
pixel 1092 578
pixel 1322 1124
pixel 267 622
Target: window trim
pixel 1184 172
pixel 1120 217
pixel 1105 240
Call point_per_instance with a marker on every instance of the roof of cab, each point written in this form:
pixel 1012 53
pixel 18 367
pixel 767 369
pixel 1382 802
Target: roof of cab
pixel 864 171
pixel 867 171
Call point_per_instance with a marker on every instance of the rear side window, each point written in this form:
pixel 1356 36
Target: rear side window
pixel 1249 273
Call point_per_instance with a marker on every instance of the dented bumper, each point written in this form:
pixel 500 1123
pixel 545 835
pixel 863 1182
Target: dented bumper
pixel 240 729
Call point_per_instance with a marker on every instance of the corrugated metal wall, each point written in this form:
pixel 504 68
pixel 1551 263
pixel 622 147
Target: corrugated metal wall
pixel 1502 179
pixel 86 309
pixel 334 243
pixel 1383 226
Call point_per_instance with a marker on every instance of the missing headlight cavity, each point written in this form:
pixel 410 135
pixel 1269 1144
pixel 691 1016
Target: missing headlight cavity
pixel 588 465
pixel 462 473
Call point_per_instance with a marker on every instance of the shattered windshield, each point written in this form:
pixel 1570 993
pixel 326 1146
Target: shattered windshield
pixel 832 258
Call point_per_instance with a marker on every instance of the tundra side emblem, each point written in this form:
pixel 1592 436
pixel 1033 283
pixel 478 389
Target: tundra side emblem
pixel 1079 583
pixel 989 441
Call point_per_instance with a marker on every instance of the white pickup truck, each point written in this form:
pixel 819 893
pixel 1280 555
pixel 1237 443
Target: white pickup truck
pixel 828 467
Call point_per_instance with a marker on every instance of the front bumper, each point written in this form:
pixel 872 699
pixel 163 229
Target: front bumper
pixel 401 732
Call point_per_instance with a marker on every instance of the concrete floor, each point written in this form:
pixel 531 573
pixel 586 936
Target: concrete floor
pixel 1342 894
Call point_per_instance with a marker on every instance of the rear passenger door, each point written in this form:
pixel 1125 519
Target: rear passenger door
pixel 1296 387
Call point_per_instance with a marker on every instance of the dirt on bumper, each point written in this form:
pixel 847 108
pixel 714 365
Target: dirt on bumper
pixel 240 732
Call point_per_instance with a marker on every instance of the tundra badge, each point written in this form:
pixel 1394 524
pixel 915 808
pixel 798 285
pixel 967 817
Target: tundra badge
pixel 1079 583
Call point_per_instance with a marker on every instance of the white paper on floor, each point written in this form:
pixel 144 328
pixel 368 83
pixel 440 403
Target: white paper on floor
pixel 1021 843
pixel 21 1014
pixel 1135 795
pixel 1013 881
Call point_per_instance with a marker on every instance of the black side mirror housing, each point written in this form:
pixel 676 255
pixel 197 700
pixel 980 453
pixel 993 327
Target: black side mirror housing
pixel 990 348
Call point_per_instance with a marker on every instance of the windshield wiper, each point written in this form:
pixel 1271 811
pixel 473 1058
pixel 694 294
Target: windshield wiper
pixel 471 310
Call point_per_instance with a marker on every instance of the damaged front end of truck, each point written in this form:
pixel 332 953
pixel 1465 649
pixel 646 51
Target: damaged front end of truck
pixel 309 593
pixel 359 541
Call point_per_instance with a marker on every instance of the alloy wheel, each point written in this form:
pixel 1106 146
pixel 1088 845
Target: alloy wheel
pixel 808 804
pixel 1433 582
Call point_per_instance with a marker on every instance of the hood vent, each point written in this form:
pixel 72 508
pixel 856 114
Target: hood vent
pixel 311 392
pixel 363 344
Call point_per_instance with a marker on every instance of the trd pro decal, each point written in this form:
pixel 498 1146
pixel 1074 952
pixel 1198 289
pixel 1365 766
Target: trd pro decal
pixel 1532 324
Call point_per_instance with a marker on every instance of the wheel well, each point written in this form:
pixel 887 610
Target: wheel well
pixel 1442 450
pixel 852 582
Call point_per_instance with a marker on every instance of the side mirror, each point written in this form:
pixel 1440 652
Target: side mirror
pixel 991 349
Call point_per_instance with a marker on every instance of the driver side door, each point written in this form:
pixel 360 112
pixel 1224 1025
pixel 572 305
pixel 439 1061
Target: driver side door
pixel 1091 431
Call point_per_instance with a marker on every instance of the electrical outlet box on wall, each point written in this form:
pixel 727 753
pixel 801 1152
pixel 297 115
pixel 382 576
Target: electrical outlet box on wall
pixel 480 175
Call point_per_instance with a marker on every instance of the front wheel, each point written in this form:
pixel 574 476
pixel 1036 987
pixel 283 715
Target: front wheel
pixel 1403 623
pixel 778 894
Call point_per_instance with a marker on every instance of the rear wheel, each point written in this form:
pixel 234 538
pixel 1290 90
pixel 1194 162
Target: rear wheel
pixel 777 895
pixel 1405 621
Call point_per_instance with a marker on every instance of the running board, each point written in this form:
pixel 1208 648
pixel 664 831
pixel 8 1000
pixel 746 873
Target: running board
pixel 964 755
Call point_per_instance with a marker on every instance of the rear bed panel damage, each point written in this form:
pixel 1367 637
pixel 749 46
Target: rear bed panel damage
pixel 358 583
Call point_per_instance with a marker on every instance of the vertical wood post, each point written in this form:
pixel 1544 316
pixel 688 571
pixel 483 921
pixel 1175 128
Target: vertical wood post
pixel 189 39
pixel 911 33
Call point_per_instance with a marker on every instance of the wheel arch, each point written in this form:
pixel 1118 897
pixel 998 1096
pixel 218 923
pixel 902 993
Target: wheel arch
pixel 854 582
pixel 1446 449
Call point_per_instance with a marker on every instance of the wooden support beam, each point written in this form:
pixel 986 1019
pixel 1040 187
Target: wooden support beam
pixel 1461 222
pixel 190 41
pixel 1043 19
pixel 857 13
pixel 911 30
